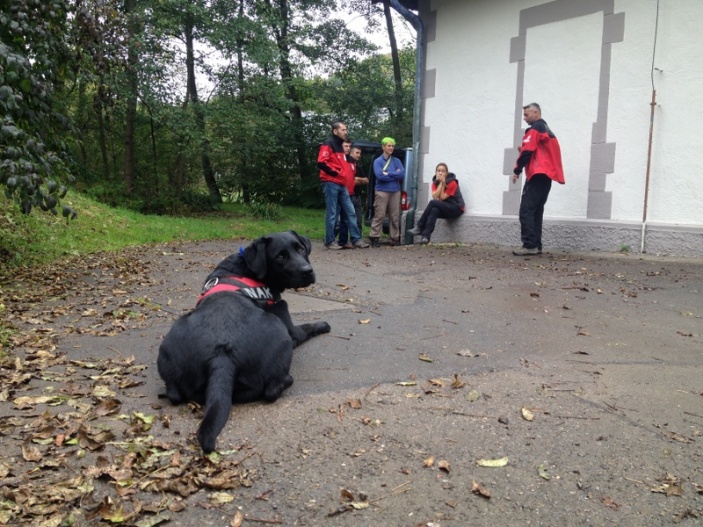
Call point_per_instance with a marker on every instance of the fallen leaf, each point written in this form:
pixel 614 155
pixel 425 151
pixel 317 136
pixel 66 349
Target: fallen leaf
pixel 428 462
pixel 672 486
pixel 27 402
pixel 457 382
pixel 493 463
pixel 443 465
pixel 608 502
pixel 364 321
pixel 472 396
pixel 103 391
pixel 480 491
pixel 527 415
pixel 543 472
pixel 425 357
pixel 354 403
pixel 31 453
pixel 346 495
pixel 237 520
pixel 220 498
pixel 406 383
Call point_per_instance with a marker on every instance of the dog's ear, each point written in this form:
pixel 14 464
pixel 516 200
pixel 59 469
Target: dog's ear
pixel 255 257
pixel 304 240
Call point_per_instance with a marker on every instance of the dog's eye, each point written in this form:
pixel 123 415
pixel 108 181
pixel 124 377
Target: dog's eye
pixel 301 249
pixel 280 257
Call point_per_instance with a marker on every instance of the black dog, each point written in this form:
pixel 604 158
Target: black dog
pixel 237 344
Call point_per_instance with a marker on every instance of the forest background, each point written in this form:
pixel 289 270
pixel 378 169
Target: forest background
pixel 173 107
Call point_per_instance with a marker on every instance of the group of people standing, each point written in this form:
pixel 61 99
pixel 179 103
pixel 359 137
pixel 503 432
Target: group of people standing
pixel 340 174
pixel 338 178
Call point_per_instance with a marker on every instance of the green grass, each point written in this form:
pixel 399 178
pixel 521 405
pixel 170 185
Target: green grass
pixel 41 238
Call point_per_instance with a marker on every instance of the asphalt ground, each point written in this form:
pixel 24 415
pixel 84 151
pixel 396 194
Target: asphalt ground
pixel 584 370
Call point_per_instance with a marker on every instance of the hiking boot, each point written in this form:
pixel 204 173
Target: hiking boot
pixel 333 247
pixel 424 241
pixel 375 244
pixel 526 251
pixel 360 244
pixel 347 246
pixel 415 230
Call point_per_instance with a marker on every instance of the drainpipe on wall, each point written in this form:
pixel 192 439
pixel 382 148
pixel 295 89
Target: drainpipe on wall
pixel 653 105
pixel 649 165
pixel 419 78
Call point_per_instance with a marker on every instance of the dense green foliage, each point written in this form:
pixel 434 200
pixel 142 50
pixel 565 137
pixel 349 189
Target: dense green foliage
pixel 170 106
pixel 34 133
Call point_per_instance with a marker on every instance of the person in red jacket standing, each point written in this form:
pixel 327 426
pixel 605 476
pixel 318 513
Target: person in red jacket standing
pixel 540 156
pixel 334 175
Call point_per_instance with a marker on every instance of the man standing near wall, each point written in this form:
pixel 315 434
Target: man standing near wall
pixel 334 168
pixel 540 156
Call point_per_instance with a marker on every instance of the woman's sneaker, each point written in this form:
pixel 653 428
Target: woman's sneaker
pixel 414 231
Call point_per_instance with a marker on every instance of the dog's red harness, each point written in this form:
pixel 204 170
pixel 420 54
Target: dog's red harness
pixel 253 289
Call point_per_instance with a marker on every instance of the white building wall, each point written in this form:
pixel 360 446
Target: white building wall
pixel 470 116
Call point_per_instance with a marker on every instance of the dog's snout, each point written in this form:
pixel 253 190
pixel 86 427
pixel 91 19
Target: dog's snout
pixel 309 275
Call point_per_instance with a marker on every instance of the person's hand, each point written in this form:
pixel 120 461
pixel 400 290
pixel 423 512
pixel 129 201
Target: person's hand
pixel 515 176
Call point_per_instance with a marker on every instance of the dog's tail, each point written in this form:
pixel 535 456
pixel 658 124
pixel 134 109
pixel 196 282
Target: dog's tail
pixel 218 401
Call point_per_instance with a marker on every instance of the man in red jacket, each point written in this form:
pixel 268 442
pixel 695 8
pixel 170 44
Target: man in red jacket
pixel 540 156
pixel 334 175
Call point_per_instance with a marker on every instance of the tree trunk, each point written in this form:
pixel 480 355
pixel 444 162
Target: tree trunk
pixel 243 152
pixel 396 61
pixel 81 113
pixel 131 114
pixel 291 92
pixel 192 97
pixel 102 137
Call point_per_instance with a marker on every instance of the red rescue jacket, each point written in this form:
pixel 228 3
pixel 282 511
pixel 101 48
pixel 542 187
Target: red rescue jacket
pixel 332 161
pixel 540 153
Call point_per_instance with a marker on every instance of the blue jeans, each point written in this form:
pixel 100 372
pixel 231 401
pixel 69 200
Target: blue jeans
pixel 337 201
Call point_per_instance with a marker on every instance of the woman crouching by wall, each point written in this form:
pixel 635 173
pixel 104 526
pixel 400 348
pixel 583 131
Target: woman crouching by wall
pixel 447 203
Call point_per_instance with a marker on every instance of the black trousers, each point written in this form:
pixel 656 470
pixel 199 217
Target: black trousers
pixel 342 228
pixel 534 197
pixel 435 209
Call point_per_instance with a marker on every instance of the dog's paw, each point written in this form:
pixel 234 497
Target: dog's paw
pixel 322 327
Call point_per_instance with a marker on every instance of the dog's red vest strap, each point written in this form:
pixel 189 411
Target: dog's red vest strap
pixel 253 289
